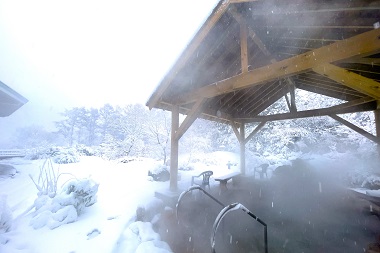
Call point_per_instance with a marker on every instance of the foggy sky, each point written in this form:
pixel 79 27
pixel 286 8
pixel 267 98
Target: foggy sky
pixel 61 54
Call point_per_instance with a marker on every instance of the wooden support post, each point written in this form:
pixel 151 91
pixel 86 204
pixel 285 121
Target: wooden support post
pixel 244 45
pixel 377 123
pixel 174 149
pixel 292 89
pixel 242 148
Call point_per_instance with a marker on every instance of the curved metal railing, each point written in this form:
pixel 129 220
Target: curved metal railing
pixel 223 213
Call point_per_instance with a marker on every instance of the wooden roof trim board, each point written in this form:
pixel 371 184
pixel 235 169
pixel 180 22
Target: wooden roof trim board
pixel 363 44
pixel 10 100
pixel 217 13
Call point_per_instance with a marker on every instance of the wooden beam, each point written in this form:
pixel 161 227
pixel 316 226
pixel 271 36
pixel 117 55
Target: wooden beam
pixel 362 44
pixel 218 12
pixel 355 128
pixel 191 117
pixel 257 129
pixel 292 91
pixel 357 82
pixel 244 46
pixel 174 149
pixel 310 113
pixel 242 149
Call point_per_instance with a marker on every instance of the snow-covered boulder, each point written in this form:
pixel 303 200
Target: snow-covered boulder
pixel 159 173
pixel 147 211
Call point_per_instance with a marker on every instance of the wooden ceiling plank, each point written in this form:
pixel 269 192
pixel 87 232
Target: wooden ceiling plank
pixel 363 44
pixel 254 102
pixel 338 90
pixel 329 86
pixel 329 93
pixel 190 49
pixel 305 114
pixel 271 98
pixel 236 100
pixel 356 128
pixel 368 61
pixel 357 82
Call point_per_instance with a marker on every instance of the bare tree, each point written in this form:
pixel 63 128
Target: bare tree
pixel 159 126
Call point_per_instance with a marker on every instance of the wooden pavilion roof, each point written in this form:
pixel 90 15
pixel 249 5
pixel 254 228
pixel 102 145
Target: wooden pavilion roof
pixel 250 53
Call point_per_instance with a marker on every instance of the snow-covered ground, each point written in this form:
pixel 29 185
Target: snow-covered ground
pixel 123 187
pixel 108 225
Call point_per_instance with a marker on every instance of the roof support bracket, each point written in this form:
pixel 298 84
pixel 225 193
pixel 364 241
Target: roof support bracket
pixel 242 139
pixel 191 117
pixel 355 128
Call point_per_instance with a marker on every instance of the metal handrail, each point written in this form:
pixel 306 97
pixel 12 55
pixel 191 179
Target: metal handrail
pixel 192 188
pixel 223 212
pixel 233 207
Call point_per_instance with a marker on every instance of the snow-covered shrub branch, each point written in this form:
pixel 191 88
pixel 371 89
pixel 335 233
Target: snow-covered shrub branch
pixel 47 182
pixel 65 207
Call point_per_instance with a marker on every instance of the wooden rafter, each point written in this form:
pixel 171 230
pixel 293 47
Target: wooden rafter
pixel 202 33
pixel 357 82
pixel 362 44
pixel 244 46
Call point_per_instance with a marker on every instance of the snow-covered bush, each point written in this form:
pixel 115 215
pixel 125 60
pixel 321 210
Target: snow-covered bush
pixel 83 150
pixel 371 182
pixel 186 167
pixel 65 156
pixel 79 193
pixel 5 215
pixel 159 173
pixel 37 153
pixel 65 207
